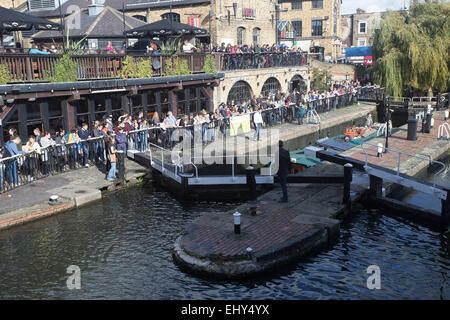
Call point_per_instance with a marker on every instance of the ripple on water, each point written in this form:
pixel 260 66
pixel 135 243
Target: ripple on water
pixel 123 247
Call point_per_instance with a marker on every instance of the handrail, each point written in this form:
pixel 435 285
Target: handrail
pixel 443 170
pixel 444 128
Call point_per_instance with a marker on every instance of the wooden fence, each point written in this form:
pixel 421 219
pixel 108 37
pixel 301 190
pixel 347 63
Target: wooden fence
pixel 36 67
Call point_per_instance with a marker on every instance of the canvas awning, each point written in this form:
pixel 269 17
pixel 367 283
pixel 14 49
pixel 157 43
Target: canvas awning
pixel 11 20
pixel 165 27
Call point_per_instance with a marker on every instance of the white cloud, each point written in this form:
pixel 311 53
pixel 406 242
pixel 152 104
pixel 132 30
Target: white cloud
pixel 350 6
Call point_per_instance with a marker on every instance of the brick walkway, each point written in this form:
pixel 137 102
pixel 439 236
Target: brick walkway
pixel 426 145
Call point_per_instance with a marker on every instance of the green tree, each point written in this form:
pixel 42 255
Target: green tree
pixel 210 64
pixel 65 70
pixel 5 75
pixel 321 79
pixel 412 47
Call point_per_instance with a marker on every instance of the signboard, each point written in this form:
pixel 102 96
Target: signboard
pixel 240 125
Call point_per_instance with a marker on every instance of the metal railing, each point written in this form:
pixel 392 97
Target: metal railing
pixel 400 153
pixel 242 61
pixel 444 129
pixel 22 169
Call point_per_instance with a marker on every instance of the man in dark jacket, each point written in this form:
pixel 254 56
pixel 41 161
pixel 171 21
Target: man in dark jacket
pixel 84 135
pixel 283 169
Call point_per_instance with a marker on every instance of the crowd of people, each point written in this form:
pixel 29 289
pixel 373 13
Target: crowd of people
pixel 105 142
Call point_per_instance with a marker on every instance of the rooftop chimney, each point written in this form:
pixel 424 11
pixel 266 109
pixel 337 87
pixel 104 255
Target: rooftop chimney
pixel 96 7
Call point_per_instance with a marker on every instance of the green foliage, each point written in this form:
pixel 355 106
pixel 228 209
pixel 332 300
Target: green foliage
pixel 136 69
pixel 412 47
pixel 176 66
pixel 321 79
pixel 65 70
pixel 5 74
pixel 210 64
pixel 171 47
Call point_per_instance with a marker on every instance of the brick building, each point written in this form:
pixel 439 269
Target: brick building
pixel 314 25
pixel 358 28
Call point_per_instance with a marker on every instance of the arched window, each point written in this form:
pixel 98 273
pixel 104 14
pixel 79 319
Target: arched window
pixel 139 17
pixel 241 35
pixel 240 91
pixel 270 87
pixel 256 35
pixel 172 16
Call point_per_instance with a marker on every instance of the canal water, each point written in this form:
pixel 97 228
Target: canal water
pixel 123 248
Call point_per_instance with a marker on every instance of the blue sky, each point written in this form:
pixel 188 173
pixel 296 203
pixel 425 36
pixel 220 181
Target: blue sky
pixel 350 6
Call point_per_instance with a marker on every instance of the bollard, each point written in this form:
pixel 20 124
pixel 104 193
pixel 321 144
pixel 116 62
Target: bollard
pixel 412 129
pixel 379 150
pixel 432 122
pixel 348 174
pixel 251 182
pixel 446 115
pixel 428 117
pixel 237 222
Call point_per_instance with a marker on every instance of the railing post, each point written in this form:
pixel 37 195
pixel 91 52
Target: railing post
pixel 348 174
pixel 97 68
pixel 28 68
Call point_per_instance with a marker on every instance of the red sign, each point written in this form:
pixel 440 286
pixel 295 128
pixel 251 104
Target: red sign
pixel 194 21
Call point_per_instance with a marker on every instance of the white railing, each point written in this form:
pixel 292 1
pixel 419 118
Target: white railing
pixel 444 129
pixel 400 153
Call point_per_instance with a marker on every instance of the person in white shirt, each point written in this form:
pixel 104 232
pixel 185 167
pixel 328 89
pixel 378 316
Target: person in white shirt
pixel 188 47
pixel 257 119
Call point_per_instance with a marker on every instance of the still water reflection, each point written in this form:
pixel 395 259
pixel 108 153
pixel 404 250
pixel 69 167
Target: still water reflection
pixel 123 247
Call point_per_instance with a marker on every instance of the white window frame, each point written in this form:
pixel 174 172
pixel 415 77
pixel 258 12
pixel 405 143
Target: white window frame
pixel 362 39
pixel 359 27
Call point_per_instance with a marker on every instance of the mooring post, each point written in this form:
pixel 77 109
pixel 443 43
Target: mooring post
pixel 251 182
pixel 445 211
pixel 376 187
pixel 348 173
pixel 237 222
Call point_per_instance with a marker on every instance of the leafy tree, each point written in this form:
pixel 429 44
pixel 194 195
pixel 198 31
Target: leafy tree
pixel 176 66
pixel 65 70
pixel 136 69
pixel 5 75
pixel 412 47
pixel 210 64
pixel 321 79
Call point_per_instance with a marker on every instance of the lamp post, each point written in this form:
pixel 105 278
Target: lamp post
pixel 62 26
pixel 388 118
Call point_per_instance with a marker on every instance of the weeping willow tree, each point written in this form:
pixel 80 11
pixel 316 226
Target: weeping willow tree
pixel 412 47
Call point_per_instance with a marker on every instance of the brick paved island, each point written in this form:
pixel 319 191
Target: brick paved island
pixel 280 232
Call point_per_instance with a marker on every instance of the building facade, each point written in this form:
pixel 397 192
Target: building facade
pixel 358 28
pixel 313 25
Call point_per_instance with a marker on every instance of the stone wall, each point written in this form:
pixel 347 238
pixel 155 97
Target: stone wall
pixel 256 79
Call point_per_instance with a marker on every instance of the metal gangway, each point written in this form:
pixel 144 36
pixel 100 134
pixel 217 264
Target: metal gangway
pixel 312 117
pixel 434 189
pixel 187 170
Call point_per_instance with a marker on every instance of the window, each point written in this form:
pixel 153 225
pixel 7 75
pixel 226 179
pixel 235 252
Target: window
pixel 362 42
pixel 240 91
pixel 140 17
pixel 270 87
pixel 249 13
pixel 240 35
pixel 317 4
pixel 297 26
pixel 256 35
pixel 296 5
pixel 172 16
pixel 316 27
pixel 362 27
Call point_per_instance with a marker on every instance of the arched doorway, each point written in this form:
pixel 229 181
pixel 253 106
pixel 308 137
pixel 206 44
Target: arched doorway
pixel 270 87
pixel 297 82
pixel 240 91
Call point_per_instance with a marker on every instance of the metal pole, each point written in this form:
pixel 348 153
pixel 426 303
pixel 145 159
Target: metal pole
pixel 62 26
pixel 388 117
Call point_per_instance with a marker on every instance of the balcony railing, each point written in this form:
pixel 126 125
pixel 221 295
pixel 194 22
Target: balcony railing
pixel 34 67
pixel 240 61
